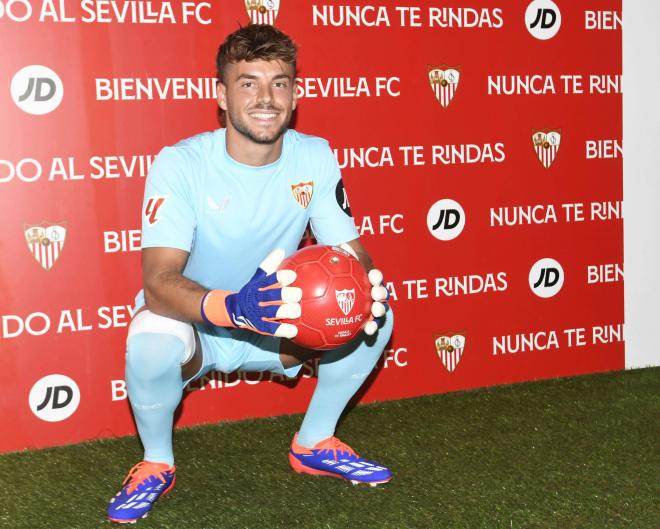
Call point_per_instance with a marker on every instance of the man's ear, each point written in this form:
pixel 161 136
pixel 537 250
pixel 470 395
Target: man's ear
pixel 294 103
pixel 221 95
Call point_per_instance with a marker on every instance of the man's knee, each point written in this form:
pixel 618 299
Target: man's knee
pixel 151 356
pixel 156 346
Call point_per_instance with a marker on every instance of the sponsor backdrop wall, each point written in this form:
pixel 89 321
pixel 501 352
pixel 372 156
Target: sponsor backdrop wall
pixel 480 144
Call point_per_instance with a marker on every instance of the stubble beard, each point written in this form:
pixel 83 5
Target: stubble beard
pixel 244 129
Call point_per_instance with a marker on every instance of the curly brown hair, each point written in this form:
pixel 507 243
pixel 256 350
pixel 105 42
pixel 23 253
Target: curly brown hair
pixel 256 42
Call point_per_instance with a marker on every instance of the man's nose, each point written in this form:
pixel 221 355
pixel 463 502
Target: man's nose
pixel 265 93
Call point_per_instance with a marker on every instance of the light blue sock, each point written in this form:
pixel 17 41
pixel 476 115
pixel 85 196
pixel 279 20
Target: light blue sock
pixel 155 388
pixel 341 373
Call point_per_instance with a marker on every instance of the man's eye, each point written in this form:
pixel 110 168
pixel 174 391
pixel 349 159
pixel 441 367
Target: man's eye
pixel 247 84
pixel 281 84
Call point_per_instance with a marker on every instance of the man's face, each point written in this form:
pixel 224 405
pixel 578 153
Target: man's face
pixel 259 98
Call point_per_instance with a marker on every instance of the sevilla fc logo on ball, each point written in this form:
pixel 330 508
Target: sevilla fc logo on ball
pixel 45 242
pixel 546 145
pixel 303 192
pixel 345 299
pixel 450 348
pixel 262 11
pixel 444 83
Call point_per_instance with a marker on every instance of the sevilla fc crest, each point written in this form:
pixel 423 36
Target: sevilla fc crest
pixel 546 145
pixel 45 242
pixel 303 192
pixel 450 348
pixel 444 83
pixel 345 300
pixel 262 11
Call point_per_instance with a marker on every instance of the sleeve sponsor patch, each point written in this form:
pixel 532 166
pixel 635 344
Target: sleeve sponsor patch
pixel 342 198
pixel 151 208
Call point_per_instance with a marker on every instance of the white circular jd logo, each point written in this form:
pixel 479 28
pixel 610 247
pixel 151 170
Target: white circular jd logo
pixel 54 398
pixel 546 277
pixel 543 19
pixel 37 89
pixel 445 219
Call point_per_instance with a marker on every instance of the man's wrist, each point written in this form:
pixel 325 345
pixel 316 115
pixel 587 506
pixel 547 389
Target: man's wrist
pixel 213 308
pixel 362 257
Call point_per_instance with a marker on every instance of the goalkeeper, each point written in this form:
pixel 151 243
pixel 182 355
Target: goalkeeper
pixel 221 210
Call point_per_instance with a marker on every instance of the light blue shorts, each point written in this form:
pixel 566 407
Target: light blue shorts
pixel 230 350
pixel 223 349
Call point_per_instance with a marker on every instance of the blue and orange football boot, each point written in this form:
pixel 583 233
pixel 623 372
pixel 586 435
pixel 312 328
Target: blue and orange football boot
pixel 331 457
pixel 144 484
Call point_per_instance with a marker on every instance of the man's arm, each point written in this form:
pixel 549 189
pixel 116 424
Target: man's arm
pixel 362 255
pixel 166 291
pixel 263 300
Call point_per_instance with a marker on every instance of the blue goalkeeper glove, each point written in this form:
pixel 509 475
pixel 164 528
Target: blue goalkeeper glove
pixel 265 299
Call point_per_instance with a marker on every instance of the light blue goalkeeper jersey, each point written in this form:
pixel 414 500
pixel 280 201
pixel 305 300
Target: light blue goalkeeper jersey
pixel 229 215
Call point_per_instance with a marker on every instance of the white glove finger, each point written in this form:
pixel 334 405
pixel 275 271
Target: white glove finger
pixel 375 277
pixel 286 277
pixel 370 328
pixel 378 293
pixel 289 311
pixel 347 247
pixel 286 330
pixel 291 294
pixel 377 309
pixel 274 259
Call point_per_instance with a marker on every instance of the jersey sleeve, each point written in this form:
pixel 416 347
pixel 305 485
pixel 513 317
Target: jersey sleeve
pixel 168 217
pixel 330 214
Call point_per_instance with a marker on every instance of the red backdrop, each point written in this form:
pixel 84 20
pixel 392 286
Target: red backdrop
pixel 131 77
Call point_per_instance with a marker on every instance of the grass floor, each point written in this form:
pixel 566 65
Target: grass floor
pixel 580 452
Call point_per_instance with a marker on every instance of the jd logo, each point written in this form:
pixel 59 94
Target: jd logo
pixel 546 277
pixel 57 397
pixel 36 89
pixel 40 89
pixel 445 219
pixel 448 219
pixel 54 398
pixel 543 19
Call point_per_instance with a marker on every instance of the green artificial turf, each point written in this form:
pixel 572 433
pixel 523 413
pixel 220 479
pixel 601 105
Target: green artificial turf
pixel 579 452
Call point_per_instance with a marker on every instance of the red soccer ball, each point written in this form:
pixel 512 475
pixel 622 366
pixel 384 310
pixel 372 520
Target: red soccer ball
pixel 336 300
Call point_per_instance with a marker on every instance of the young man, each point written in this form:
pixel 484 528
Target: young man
pixel 215 206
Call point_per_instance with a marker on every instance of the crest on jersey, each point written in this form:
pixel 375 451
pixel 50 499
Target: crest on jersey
pixel 303 192
pixel 546 144
pixel 45 242
pixel 444 83
pixel 345 299
pixel 262 11
pixel 450 347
